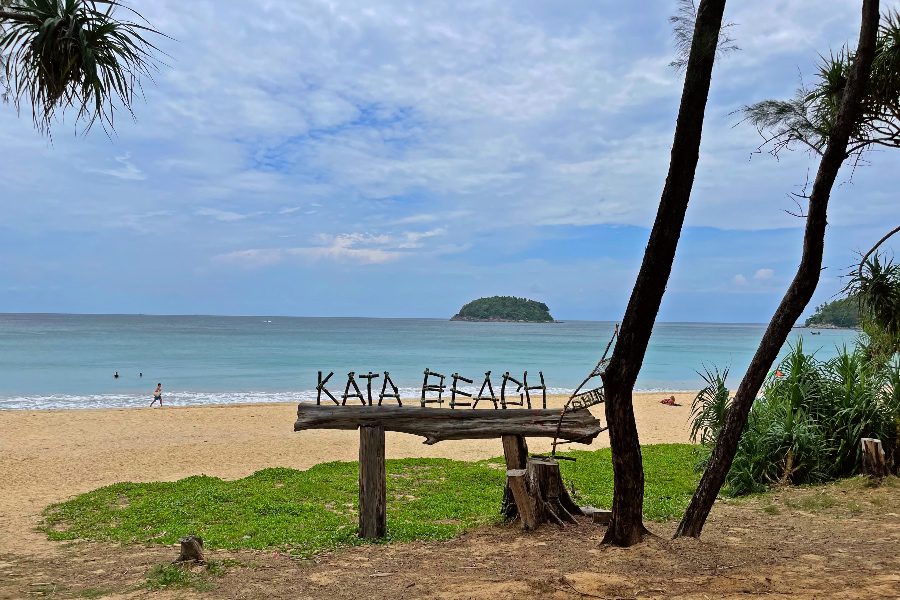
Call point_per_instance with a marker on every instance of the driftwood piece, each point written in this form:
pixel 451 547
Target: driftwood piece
pixel 372 483
pixel 427 386
pixel 455 391
pixel 394 394
pixel 529 388
pixel 439 425
pixel 503 401
pixel 490 397
pixel 873 461
pixel 357 393
pixel 515 451
pixel 529 510
pixel 320 387
pixel 369 377
pixel 191 550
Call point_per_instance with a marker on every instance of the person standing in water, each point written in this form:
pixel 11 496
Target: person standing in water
pixel 157 395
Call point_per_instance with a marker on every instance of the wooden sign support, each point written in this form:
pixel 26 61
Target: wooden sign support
pixel 542 496
pixel 372 483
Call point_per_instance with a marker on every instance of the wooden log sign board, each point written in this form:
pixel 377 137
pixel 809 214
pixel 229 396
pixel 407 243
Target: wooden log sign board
pixel 437 425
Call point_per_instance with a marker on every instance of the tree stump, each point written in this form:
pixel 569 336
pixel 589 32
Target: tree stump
pixel 873 462
pixel 191 550
pixel 539 494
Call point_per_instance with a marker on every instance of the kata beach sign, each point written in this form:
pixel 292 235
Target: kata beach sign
pixel 534 490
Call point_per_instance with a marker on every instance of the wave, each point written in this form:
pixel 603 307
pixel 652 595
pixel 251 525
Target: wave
pixel 193 398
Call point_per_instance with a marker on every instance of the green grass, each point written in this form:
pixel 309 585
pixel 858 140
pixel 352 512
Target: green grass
pixel 168 575
pixel 305 512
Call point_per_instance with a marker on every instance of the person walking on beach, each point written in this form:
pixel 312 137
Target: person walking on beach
pixel 157 395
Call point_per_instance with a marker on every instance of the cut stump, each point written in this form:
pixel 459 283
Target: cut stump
pixel 873 461
pixel 539 494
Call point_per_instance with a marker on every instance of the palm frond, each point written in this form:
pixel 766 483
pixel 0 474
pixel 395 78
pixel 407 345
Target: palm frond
pixel 75 54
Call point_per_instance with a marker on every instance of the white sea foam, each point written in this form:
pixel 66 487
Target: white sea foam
pixel 189 398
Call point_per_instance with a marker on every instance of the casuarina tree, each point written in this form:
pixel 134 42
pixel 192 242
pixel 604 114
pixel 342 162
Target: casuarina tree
pixel 626 526
pixel 839 113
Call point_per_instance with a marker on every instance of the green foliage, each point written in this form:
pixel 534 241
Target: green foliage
pixel 505 308
pixel 808 118
pixel 807 425
pixel 305 512
pixel 73 53
pixel 843 312
pixel 170 575
pixel 877 287
pixel 709 408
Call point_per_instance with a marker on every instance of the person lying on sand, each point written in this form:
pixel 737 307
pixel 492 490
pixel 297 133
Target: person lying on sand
pixel 670 401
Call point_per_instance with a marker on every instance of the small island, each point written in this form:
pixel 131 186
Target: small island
pixel 838 314
pixel 504 309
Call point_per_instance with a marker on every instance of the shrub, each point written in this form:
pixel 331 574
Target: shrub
pixel 806 425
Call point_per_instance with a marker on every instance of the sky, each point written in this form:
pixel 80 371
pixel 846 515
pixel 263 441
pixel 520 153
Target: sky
pixel 398 159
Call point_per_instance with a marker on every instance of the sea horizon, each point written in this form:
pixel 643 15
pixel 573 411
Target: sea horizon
pixel 59 360
pixel 285 316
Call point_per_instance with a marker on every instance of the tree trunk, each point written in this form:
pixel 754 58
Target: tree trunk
pixel 801 289
pixel 626 527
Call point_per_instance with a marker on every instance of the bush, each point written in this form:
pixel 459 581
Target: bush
pixel 807 424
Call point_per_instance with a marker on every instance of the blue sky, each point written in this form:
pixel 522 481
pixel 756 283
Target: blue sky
pixel 401 158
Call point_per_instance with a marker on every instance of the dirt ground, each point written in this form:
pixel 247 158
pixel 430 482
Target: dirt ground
pixel 835 541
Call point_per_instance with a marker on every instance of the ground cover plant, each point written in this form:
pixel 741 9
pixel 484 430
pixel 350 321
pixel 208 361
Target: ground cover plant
pixel 807 424
pixel 305 512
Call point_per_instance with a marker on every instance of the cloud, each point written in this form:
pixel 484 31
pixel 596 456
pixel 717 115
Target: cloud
pixel 127 172
pixel 739 280
pixel 361 248
pixel 763 274
pixel 225 216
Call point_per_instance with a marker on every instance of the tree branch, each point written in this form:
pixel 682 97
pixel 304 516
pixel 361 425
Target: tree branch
pixel 874 248
pixel 12 15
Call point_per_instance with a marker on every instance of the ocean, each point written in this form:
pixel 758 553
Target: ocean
pixel 68 361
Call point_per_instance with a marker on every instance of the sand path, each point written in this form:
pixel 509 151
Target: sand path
pixel 48 456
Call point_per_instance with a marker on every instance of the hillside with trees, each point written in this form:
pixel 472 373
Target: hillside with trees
pixel 843 312
pixel 504 308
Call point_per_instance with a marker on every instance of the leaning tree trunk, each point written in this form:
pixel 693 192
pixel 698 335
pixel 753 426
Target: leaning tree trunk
pixel 626 527
pixel 801 289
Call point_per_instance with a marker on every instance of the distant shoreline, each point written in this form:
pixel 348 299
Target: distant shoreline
pixel 497 320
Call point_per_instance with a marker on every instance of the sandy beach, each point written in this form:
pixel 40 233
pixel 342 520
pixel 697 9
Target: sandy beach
pixel 48 456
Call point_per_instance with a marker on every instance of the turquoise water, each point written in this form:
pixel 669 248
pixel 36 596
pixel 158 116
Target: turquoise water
pixel 68 361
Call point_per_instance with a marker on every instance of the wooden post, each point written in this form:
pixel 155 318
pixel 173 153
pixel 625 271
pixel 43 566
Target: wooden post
pixel 515 450
pixel 372 483
pixel 528 509
pixel 873 463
